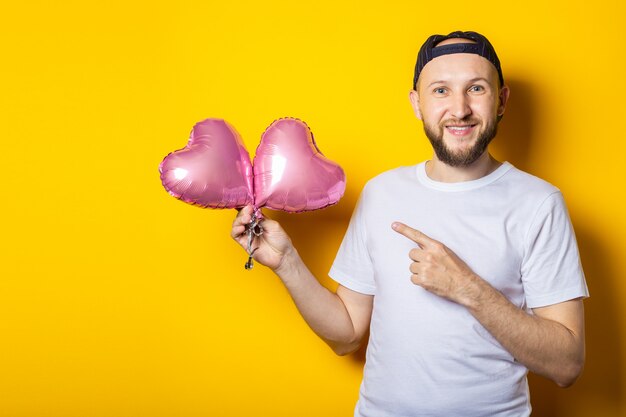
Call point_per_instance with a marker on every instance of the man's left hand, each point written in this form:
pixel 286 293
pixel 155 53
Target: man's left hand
pixel 439 270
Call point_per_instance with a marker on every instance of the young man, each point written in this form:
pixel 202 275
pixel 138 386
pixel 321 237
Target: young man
pixel 469 279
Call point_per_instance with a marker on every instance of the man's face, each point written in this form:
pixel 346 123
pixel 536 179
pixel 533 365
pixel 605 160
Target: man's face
pixel 459 101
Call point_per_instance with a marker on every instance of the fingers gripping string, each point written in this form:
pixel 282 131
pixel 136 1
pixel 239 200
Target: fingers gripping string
pixel 253 229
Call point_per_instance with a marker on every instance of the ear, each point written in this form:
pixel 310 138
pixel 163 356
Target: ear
pixel 504 98
pixel 415 103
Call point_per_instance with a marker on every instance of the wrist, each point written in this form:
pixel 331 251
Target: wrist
pixel 475 293
pixel 288 263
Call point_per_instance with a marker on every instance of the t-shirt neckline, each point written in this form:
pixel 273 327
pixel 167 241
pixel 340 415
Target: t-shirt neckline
pixel 425 180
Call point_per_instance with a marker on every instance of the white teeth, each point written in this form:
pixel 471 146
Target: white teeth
pixel 458 128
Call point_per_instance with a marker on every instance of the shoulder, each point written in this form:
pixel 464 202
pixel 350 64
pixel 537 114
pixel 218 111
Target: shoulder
pixel 529 186
pixel 388 186
pixel 539 200
pixel 392 177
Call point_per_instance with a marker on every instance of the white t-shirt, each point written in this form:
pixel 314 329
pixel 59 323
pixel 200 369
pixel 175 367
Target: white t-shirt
pixel 428 356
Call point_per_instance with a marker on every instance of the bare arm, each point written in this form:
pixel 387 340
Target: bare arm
pixel 549 342
pixel 341 319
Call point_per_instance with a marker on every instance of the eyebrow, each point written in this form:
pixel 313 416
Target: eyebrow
pixel 473 80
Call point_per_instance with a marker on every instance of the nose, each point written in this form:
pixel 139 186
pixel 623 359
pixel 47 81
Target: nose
pixel 460 107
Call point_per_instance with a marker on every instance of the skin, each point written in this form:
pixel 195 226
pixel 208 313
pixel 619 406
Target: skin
pixel 457 97
pixel 341 319
pixel 453 91
pixel 550 342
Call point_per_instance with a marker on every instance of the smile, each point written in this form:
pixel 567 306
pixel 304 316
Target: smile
pixel 460 130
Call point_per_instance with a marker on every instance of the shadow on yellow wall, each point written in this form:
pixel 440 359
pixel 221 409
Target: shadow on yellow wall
pixel 600 382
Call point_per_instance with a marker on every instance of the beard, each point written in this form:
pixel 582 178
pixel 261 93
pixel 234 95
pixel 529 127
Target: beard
pixel 465 157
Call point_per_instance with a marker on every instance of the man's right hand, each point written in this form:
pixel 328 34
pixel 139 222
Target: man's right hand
pixel 271 247
pixel 341 319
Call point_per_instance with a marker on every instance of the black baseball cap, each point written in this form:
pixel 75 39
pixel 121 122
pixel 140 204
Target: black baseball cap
pixel 430 51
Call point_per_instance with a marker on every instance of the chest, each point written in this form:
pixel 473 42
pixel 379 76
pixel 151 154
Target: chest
pixel 486 235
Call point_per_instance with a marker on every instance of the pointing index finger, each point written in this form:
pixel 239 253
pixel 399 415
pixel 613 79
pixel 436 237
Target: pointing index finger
pixel 415 235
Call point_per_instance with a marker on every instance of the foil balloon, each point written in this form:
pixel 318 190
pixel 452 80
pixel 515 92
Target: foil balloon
pixel 213 170
pixel 290 172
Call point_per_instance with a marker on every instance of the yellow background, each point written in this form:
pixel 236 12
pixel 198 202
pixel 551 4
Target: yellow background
pixel 118 300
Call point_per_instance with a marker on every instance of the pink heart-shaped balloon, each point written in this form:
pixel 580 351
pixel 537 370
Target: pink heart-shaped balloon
pixel 213 170
pixel 290 172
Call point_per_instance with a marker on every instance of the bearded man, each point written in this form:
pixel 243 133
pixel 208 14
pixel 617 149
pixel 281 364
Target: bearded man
pixel 464 270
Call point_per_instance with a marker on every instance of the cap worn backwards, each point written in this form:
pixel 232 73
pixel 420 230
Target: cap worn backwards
pixel 481 47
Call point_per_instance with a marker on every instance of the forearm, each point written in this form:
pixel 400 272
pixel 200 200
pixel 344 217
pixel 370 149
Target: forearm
pixel 544 346
pixel 323 310
pixel 550 342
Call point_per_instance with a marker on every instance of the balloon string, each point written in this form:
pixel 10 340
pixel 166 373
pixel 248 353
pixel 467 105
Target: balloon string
pixel 253 229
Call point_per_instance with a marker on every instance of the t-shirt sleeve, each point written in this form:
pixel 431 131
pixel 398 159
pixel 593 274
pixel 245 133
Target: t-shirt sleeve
pixel 352 267
pixel 551 268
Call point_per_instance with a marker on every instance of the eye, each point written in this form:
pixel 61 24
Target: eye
pixel 477 88
pixel 439 90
